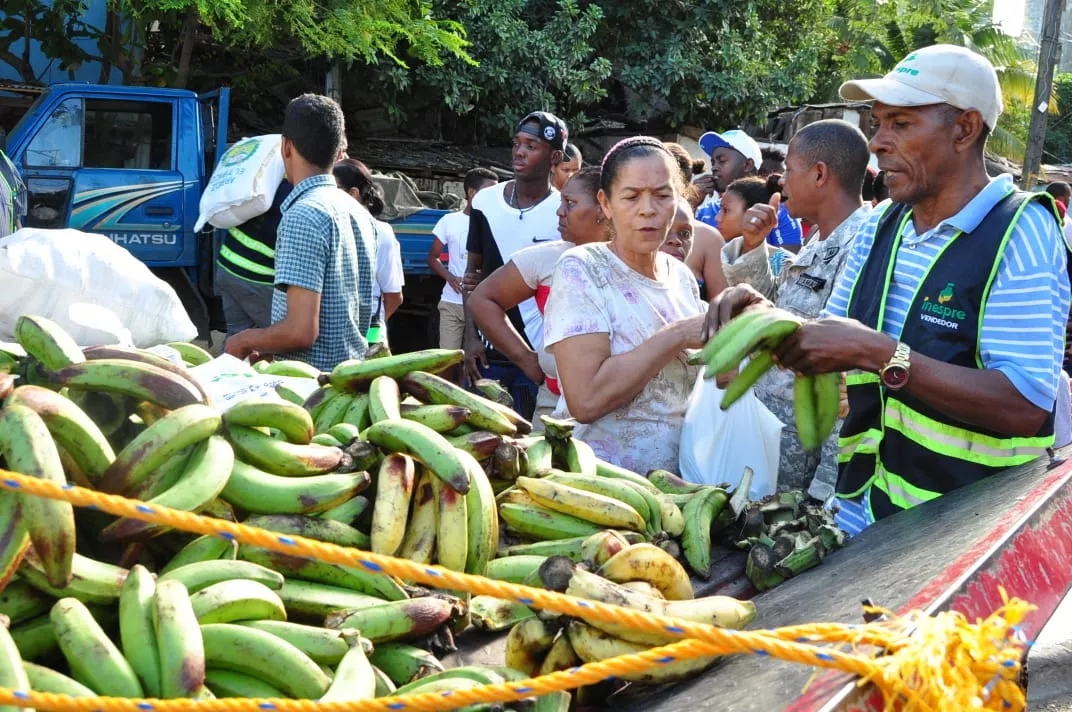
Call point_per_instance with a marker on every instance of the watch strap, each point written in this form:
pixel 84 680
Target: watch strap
pixel 901 355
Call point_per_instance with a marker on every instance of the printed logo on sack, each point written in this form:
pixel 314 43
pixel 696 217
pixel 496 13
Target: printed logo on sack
pixel 938 313
pixel 240 152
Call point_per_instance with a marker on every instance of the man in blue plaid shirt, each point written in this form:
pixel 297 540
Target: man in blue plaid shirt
pixel 325 251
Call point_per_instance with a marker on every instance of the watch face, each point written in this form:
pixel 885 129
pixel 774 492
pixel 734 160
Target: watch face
pixel 894 377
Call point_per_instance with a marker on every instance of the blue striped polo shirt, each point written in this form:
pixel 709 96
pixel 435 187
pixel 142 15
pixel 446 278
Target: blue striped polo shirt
pixel 1023 332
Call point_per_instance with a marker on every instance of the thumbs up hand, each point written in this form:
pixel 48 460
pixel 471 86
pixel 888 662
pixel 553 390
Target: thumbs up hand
pixel 758 222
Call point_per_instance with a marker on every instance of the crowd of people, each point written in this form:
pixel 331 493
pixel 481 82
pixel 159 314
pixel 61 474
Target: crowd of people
pixel 939 293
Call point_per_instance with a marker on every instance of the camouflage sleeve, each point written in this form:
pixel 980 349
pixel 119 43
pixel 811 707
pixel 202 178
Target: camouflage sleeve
pixel 752 268
pixel 825 480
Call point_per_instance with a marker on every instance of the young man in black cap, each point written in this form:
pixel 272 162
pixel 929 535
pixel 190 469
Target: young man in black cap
pixel 504 219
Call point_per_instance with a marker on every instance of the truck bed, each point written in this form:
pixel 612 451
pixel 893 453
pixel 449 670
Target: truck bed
pixel 415 237
pixel 1012 530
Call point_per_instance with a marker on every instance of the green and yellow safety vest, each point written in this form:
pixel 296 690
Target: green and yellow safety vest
pixel 893 446
pixel 247 257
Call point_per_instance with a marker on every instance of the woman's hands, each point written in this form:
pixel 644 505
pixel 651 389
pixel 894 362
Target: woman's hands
pixel 691 331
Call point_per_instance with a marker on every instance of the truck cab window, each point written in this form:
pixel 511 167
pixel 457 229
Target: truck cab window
pixel 128 134
pixel 59 142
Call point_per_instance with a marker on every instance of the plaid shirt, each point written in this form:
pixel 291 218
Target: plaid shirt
pixel 327 244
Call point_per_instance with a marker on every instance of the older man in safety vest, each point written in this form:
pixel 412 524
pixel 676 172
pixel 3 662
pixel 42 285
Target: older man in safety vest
pixel 949 316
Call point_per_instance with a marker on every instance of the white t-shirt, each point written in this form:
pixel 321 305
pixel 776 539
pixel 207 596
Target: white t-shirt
pixel 537 267
pixel 389 277
pixel 596 293
pixel 453 231
pixel 514 230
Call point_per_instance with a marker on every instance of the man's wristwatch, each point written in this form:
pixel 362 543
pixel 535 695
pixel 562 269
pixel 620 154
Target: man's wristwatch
pixel 894 374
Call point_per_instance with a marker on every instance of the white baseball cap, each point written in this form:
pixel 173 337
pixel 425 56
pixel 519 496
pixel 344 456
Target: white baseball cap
pixel 737 140
pixel 939 74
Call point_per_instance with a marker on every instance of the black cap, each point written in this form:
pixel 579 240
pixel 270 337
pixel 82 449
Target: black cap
pixel 552 129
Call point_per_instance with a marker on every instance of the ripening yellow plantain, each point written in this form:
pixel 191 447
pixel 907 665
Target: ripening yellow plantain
pixel 722 611
pixel 452 538
pixel 593 645
pixel 419 542
pixel 561 656
pixel 644 587
pixel 394 490
pixel 527 644
pixel 589 506
pixel 647 562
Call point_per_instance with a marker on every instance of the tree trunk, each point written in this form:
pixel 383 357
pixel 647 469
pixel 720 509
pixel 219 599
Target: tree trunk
pixel 26 70
pixel 132 58
pixel 189 37
pixel 110 44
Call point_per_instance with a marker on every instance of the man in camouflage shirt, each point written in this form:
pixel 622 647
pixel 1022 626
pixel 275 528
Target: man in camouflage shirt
pixel 822 184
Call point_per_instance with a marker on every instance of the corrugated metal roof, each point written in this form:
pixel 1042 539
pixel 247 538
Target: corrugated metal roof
pixel 424 158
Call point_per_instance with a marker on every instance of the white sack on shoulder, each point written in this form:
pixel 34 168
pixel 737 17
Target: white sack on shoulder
pixel 244 183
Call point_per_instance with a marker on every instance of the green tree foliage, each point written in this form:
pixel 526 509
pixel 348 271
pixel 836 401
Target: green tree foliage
pixel 340 29
pixel 714 63
pixel 56 25
pixel 651 63
pixel 529 55
pixel 1058 148
pixel 169 30
pixel 871 36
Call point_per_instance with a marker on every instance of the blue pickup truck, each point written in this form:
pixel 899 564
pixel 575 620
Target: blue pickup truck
pixel 131 163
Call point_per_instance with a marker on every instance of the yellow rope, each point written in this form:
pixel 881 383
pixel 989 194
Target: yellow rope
pixel 917 681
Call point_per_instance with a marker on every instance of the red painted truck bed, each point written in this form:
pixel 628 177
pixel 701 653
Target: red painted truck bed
pixel 1012 530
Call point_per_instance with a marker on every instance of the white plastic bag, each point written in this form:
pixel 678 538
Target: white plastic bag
pixel 717 445
pixel 229 380
pixel 244 183
pixel 96 290
pixel 97 326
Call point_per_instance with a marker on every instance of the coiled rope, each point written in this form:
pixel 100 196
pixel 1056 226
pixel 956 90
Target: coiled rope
pixel 946 663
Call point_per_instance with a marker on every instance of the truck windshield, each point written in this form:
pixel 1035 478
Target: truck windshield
pixel 58 143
